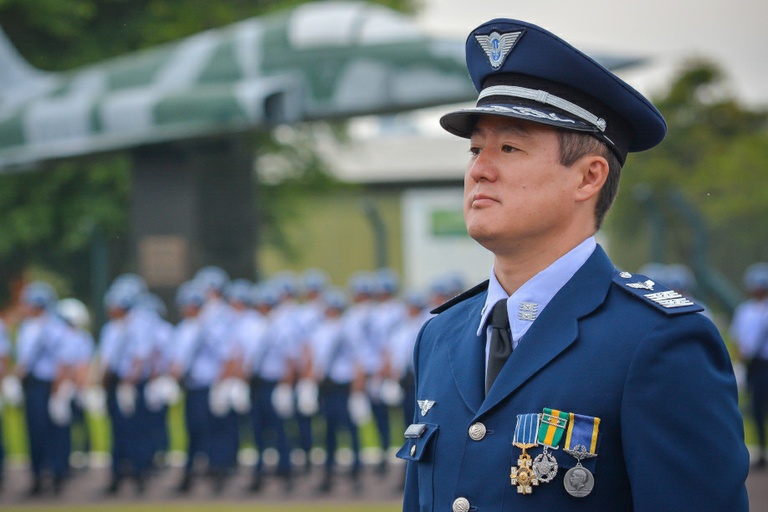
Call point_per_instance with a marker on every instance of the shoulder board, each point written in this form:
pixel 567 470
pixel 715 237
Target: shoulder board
pixel 480 288
pixel 655 294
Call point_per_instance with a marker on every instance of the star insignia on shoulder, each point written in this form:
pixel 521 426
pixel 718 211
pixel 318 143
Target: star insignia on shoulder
pixel 425 406
pixel 497 46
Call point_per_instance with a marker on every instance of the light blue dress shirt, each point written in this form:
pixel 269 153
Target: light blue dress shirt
pixel 525 304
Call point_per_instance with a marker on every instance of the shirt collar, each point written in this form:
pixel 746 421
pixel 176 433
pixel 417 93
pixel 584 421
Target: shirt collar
pixel 531 298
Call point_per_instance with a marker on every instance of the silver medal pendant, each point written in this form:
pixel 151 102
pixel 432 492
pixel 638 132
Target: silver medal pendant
pixel 545 466
pixel 578 481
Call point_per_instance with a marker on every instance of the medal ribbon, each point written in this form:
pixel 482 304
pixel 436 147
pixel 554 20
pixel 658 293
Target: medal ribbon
pixel 582 431
pixel 552 427
pixel 526 430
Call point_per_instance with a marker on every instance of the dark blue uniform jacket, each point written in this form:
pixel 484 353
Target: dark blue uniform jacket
pixel 660 380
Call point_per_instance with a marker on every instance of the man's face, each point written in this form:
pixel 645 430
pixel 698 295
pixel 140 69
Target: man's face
pixel 516 192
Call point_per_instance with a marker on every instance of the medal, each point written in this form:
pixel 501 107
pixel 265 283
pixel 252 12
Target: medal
pixel 526 432
pixel 580 443
pixel 551 429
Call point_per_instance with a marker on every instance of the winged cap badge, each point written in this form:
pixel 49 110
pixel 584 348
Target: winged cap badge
pixel 425 406
pixel 497 46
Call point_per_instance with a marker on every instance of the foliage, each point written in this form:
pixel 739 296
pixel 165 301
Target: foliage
pixel 289 170
pixel 49 217
pixel 708 180
pixel 58 35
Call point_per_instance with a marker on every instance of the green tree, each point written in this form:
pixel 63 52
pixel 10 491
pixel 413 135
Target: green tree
pixel 712 167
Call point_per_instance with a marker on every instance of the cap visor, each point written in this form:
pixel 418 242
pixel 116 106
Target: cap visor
pixel 462 122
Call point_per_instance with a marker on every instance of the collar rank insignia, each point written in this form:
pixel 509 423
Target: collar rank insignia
pixel 647 285
pixel 425 406
pixel 497 46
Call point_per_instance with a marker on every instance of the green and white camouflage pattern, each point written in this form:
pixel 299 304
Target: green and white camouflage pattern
pixel 319 61
pixel 322 60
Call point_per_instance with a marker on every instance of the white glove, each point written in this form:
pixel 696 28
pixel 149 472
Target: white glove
pixel 217 399
pixel 359 408
pixel 239 394
pixel 12 390
pixel 391 392
pixel 282 400
pixel 94 400
pixel 126 398
pixel 60 410
pixel 307 397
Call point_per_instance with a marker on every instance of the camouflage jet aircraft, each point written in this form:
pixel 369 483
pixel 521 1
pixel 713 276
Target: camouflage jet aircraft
pixel 319 61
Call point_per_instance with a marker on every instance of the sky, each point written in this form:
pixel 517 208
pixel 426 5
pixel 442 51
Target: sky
pixel 730 33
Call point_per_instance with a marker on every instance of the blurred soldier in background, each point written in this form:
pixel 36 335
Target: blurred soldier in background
pixel 337 365
pixel 310 314
pixel 387 312
pixel 187 340
pixel 268 363
pixel 750 330
pixel 161 331
pixel 5 362
pixel 205 361
pixel 43 361
pixel 125 350
pixel 79 338
pixel 403 340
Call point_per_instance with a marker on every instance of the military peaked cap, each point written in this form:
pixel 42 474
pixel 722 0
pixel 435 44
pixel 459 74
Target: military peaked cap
pixel 523 71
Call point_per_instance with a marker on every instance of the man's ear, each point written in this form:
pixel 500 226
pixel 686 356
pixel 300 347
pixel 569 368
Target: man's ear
pixel 594 173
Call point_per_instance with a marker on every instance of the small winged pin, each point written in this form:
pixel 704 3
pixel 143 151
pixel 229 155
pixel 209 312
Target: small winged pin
pixel 425 405
pixel 647 285
pixel 497 46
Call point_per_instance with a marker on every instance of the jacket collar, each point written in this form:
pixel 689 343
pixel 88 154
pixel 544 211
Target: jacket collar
pixel 554 330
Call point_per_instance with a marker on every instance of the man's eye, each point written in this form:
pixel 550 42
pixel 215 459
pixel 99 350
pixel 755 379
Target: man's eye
pixel 474 151
pixel 506 148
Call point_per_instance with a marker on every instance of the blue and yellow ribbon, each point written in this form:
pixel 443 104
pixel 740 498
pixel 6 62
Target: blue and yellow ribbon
pixel 582 434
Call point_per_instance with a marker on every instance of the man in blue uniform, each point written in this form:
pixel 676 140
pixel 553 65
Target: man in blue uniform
pixel 43 358
pixel 125 349
pixel 338 367
pixel 750 331
pixel 563 383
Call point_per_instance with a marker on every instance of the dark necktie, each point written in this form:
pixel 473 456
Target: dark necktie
pixel 501 343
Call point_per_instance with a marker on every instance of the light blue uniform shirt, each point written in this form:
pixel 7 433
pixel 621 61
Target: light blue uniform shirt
pixel 248 329
pixel 384 317
pixel 42 347
pixel 271 356
pixel 357 327
pixel 193 354
pixel 126 342
pixel 750 328
pixel 527 303
pixel 80 343
pixel 403 341
pixel 335 353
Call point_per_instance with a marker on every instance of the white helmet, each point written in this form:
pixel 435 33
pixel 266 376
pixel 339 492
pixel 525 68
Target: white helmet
pixel 74 312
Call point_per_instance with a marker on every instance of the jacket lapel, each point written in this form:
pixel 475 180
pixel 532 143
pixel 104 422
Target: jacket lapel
pixel 466 353
pixel 556 328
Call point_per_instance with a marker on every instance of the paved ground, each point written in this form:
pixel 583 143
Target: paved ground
pixel 87 486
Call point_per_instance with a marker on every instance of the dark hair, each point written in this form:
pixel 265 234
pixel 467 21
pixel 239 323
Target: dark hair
pixel 574 145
